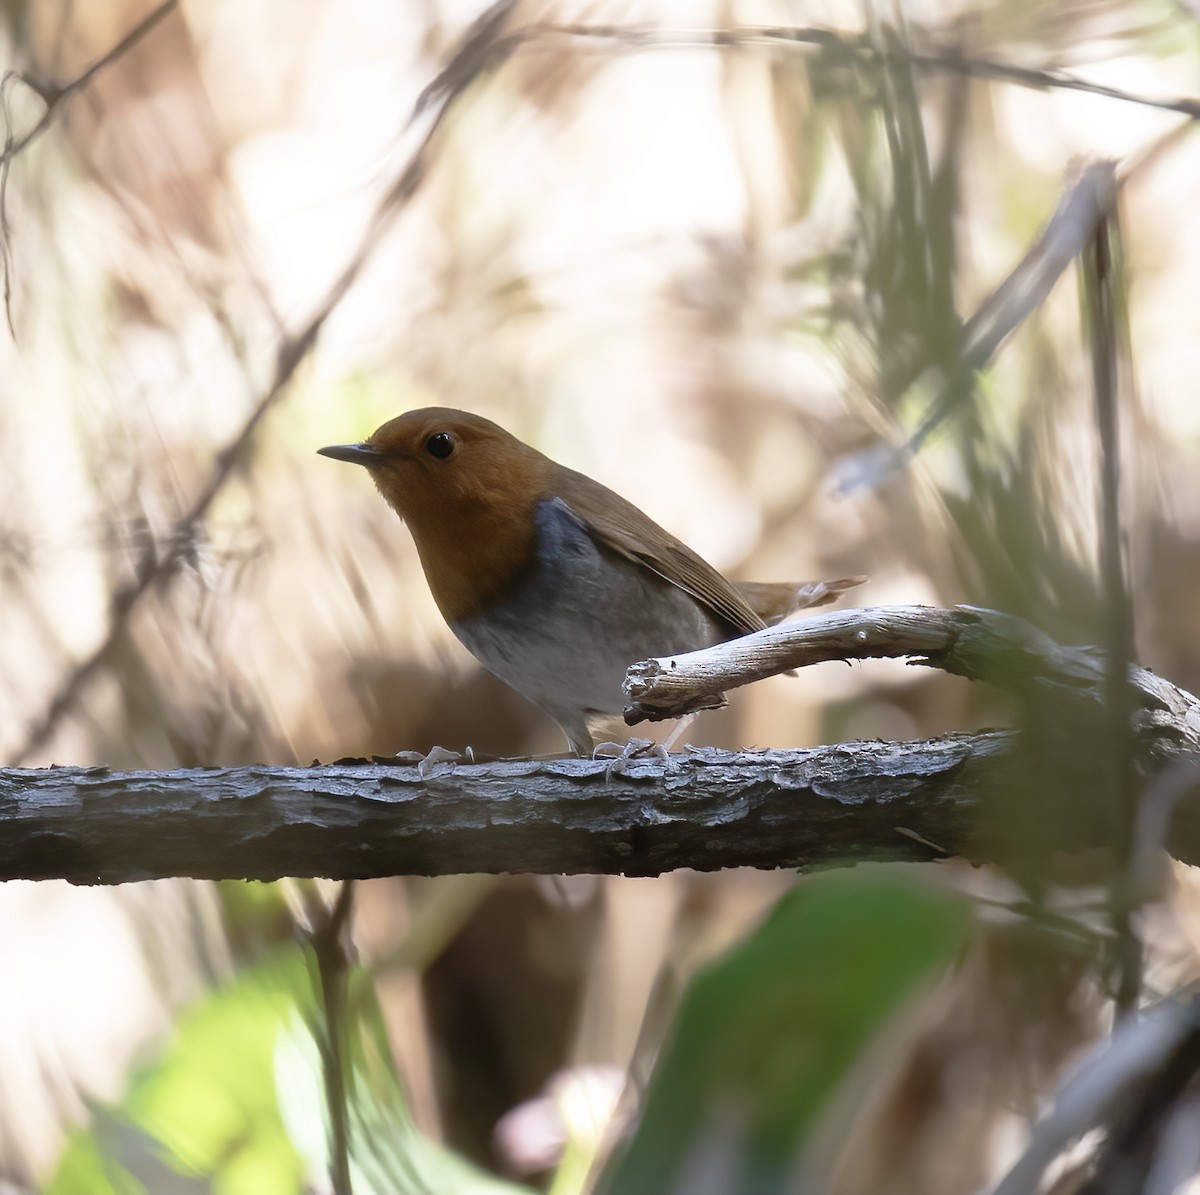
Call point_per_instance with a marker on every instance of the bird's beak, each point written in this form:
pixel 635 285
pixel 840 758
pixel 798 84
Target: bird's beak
pixel 356 454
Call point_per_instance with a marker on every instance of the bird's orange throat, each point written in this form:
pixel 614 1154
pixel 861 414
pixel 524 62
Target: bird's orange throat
pixel 472 562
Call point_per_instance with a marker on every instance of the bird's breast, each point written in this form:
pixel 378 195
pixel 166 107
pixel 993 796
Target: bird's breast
pixel 565 632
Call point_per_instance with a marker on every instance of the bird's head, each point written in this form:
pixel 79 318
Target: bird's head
pixel 466 489
pixel 437 465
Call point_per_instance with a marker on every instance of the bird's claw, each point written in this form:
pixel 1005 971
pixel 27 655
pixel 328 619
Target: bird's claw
pixel 438 762
pixel 621 753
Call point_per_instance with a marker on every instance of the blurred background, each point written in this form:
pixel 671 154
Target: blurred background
pixel 716 274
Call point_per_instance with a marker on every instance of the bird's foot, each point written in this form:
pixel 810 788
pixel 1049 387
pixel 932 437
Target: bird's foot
pixel 622 753
pixel 438 762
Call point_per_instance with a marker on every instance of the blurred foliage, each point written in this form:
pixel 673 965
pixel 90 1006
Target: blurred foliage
pixel 236 1105
pixel 767 1036
pixel 710 274
pixel 209 1107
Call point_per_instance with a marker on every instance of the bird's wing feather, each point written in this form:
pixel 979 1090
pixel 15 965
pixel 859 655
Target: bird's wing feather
pixel 622 527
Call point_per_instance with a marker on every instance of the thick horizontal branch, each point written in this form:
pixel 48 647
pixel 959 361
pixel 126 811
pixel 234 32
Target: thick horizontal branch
pixel 992 797
pixel 981 645
pixel 706 809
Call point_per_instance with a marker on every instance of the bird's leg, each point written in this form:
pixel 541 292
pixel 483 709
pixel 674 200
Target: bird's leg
pixel 678 731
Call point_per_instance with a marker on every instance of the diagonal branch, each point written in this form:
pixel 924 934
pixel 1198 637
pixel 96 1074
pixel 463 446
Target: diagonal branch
pixel 1082 209
pixel 52 96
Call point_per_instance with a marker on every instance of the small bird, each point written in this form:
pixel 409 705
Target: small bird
pixel 552 581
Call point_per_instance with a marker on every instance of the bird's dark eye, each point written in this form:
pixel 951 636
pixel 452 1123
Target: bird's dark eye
pixel 440 444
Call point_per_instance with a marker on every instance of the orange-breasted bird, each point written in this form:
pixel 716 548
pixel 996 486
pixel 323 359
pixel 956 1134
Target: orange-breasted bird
pixel 552 581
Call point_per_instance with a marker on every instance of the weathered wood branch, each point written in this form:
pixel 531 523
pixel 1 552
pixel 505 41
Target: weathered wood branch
pixel 963 794
pixel 981 645
pixel 707 809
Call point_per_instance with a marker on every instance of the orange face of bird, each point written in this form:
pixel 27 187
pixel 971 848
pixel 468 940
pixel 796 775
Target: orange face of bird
pixel 438 465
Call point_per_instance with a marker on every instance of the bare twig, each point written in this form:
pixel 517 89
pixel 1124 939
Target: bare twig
pixel 852 48
pixel 1100 285
pixel 1143 1059
pixel 480 46
pixel 329 938
pixel 979 644
pixel 52 96
pixel 154 563
pixel 1050 80
pixel 1133 1143
pixel 1082 209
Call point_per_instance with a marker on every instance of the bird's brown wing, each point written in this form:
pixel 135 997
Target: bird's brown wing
pixel 619 525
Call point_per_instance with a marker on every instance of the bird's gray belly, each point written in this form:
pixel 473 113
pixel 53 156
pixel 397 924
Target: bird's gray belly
pixel 566 634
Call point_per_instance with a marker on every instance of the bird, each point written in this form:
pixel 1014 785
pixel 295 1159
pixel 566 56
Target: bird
pixel 552 581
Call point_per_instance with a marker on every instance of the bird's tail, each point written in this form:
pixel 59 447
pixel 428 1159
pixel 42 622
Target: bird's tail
pixel 773 601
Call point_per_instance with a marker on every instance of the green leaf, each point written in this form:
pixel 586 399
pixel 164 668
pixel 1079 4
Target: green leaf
pixel 83 1167
pixel 208 1107
pixel 235 1106
pixel 212 1099
pixel 765 1037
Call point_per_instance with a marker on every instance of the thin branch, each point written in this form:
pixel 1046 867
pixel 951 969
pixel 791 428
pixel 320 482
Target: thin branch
pixel 1082 209
pixel 854 48
pixel 1132 1141
pixel 1087 200
pixel 154 563
pixel 52 96
pixel 479 47
pixel 1112 1088
pixel 980 644
pixel 329 938
pixel 1051 80
pixel 1100 287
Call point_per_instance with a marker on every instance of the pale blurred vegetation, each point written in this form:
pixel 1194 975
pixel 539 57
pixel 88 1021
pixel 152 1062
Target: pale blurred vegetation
pixel 712 278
